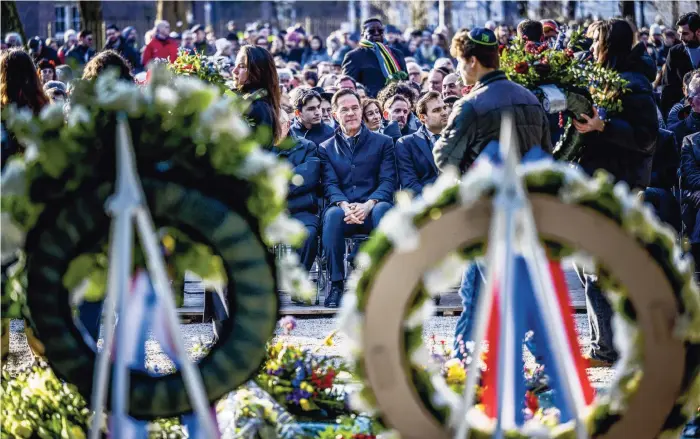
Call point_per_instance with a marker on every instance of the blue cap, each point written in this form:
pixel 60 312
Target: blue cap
pixel 483 36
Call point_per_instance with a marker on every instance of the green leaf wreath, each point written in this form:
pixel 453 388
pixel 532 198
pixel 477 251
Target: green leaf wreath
pixel 584 83
pixel 176 122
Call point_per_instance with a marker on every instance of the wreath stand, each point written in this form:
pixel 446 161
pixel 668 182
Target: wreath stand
pixel 513 224
pixel 126 205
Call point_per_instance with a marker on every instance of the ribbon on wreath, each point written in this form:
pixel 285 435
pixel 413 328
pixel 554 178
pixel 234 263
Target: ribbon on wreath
pixel 144 313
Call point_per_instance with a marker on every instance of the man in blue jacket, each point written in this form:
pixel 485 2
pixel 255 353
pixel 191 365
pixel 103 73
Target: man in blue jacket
pixel 308 123
pixel 414 152
pixel 302 198
pixel 358 173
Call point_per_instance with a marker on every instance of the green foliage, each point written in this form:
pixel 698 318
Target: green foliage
pixel 531 66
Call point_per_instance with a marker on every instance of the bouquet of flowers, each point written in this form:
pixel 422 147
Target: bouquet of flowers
pixel 305 383
pixel 583 84
pixel 204 67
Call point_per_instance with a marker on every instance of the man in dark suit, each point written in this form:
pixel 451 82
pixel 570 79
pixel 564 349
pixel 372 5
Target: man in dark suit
pixel 681 59
pixel 367 63
pixel 414 152
pixel 359 179
pixel 308 123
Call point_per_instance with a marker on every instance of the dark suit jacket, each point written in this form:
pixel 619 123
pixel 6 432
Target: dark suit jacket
pixel 317 134
pixel 366 173
pixel 677 65
pixel 363 65
pixel 305 162
pixel 414 158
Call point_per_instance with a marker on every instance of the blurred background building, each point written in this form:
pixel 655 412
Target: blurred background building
pixel 51 19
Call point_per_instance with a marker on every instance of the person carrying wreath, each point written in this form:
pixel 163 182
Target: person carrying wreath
pixel 475 123
pixel 623 145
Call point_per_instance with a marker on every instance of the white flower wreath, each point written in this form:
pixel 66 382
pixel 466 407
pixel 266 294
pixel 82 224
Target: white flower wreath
pixel 571 186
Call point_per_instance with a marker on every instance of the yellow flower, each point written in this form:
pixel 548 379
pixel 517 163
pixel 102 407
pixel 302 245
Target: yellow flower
pixel 328 341
pixel 169 243
pixel 306 387
pixel 304 403
pixel 455 372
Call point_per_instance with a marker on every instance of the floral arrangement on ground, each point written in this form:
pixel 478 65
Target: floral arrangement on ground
pixel 584 84
pixel 399 231
pixel 180 126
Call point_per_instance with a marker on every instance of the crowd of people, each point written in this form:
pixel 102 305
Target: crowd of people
pixel 374 113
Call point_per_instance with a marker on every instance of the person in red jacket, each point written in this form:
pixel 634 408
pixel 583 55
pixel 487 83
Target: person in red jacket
pixel 161 46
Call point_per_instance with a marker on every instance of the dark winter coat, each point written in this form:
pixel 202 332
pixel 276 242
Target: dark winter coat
pixel 367 172
pixel 677 65
pixel 127 51
pixel 305 162
pixel 317 134
pixel 79 55
pixel 690 162
pixel 362 65
pixel 682 128
pixel 626 146
pixel 414 159
pixel 475 121
pixel 261 115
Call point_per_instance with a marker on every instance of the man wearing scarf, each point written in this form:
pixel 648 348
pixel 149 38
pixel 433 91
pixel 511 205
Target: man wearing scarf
pixel 372 62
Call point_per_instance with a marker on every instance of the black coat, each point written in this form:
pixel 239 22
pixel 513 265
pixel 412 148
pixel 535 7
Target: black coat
pixel 690 162
pixel 626 146
pixel 317 134
pixel 128 52
pixel 362 65
pixel 367 172
pixel 305 162
pixel 689 125
pixel 677 65
pixel 475 121
pixel 261 114
pixel 664 170
pixel 415 163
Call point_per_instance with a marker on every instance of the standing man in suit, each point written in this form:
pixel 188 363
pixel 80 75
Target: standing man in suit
pixel 308 123
pixel 372 62
pixel 414 152
pixel 358 174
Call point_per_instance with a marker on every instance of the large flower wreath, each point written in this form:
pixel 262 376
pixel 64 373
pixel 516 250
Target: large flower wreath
pixel 218 198
pixel 400 232
pixel 576 85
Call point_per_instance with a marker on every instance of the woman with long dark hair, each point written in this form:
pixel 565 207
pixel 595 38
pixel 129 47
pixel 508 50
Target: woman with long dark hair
pixel 623 145
pixel 19 85
pixel 256 78
pixel 19 81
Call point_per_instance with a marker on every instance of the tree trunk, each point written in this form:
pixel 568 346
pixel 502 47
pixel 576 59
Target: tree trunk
pixel 174 12
pixel 448 18
pixel 10 19
pixel 674 13
pixel 571 9
pixel 91 19
pixel 628 10
pixel 419 14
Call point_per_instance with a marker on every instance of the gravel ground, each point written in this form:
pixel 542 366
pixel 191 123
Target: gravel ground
pixel 310 332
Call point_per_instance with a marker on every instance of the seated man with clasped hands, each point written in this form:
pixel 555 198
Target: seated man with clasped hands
pixel 358 174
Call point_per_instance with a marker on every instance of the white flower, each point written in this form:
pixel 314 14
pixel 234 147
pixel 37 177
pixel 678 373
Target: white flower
pixel 398 227
pixel 477 181
pixel 221 117
pixel 258 161
pixel 420 356
pixel 445 275
pixel 420 315
pixel 294 278
pixel 19 117
pixel 350 321
pixel 118 95
pixel 536 430
pixel 166 97
pixel 51 116
pixel 360 405
pixel 447 180
pixel 285 229
pixel 446 397
pixel 187 86
pixel 78 114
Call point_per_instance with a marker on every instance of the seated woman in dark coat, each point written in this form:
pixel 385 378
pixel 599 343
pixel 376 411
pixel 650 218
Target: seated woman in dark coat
pixel 256 78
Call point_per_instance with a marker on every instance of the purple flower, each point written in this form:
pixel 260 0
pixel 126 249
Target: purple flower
pixel 288 324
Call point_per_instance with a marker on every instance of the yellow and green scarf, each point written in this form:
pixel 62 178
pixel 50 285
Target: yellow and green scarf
pixel 387 61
